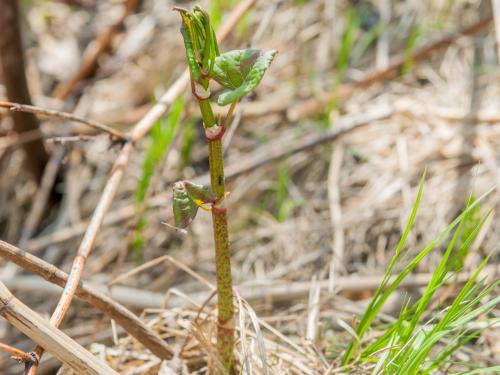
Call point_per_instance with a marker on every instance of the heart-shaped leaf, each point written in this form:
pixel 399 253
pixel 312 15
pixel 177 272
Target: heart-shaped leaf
pixel 240 71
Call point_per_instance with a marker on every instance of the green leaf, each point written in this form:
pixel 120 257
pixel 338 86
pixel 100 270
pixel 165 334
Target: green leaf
pixel 200 42
pixel 190 53
pixel 184 207
pixel 187 198
pixel 200 193
pixel 240 71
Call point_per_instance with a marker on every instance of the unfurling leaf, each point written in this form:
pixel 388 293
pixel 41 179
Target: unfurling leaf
pixel 183 206
pixel 240 71
pixel 200 194
pixel 200 42
pixel 194 68
pixel 187 198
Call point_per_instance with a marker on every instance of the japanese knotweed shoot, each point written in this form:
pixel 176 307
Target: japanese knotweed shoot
pixel 239 71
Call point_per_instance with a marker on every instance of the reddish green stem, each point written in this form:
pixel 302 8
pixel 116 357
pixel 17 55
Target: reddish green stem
pixel 225 330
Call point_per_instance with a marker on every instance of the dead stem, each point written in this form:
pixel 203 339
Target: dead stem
pixel 16 354
pixel 65 116
pixel 125 318
pixel 59 344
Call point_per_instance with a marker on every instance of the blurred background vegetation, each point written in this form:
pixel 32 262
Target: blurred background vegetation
pixel 412 85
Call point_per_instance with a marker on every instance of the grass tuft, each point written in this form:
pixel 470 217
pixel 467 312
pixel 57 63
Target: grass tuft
pixel 409 344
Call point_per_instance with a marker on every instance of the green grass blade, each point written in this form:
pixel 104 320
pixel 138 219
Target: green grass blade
pixel 455 317
pixel 486 370
pixel 371 310
pixel 384 291
pixel 161 137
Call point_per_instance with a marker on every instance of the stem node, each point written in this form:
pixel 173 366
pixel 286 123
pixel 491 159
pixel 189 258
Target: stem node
pixel 215 132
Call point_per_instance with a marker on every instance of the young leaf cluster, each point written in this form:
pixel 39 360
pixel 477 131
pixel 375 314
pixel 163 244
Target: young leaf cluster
pixel 240 71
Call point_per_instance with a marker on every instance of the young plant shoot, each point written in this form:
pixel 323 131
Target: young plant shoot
pixel 239 71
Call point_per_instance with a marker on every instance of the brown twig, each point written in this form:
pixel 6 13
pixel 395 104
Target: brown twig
pixel 65 116
pixel 125 318
pixel 59 344
pixel 315 105
pixel 94 51
pixel 138 131
pixel 134 298
pixel 70 138
pixel 16 354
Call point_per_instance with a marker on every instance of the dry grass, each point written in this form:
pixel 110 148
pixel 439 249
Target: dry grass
pixel 288 218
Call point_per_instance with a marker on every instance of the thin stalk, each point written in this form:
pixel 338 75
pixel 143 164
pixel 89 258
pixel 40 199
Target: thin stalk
pixel 225 327
pixel 15 353
pixel 39 111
